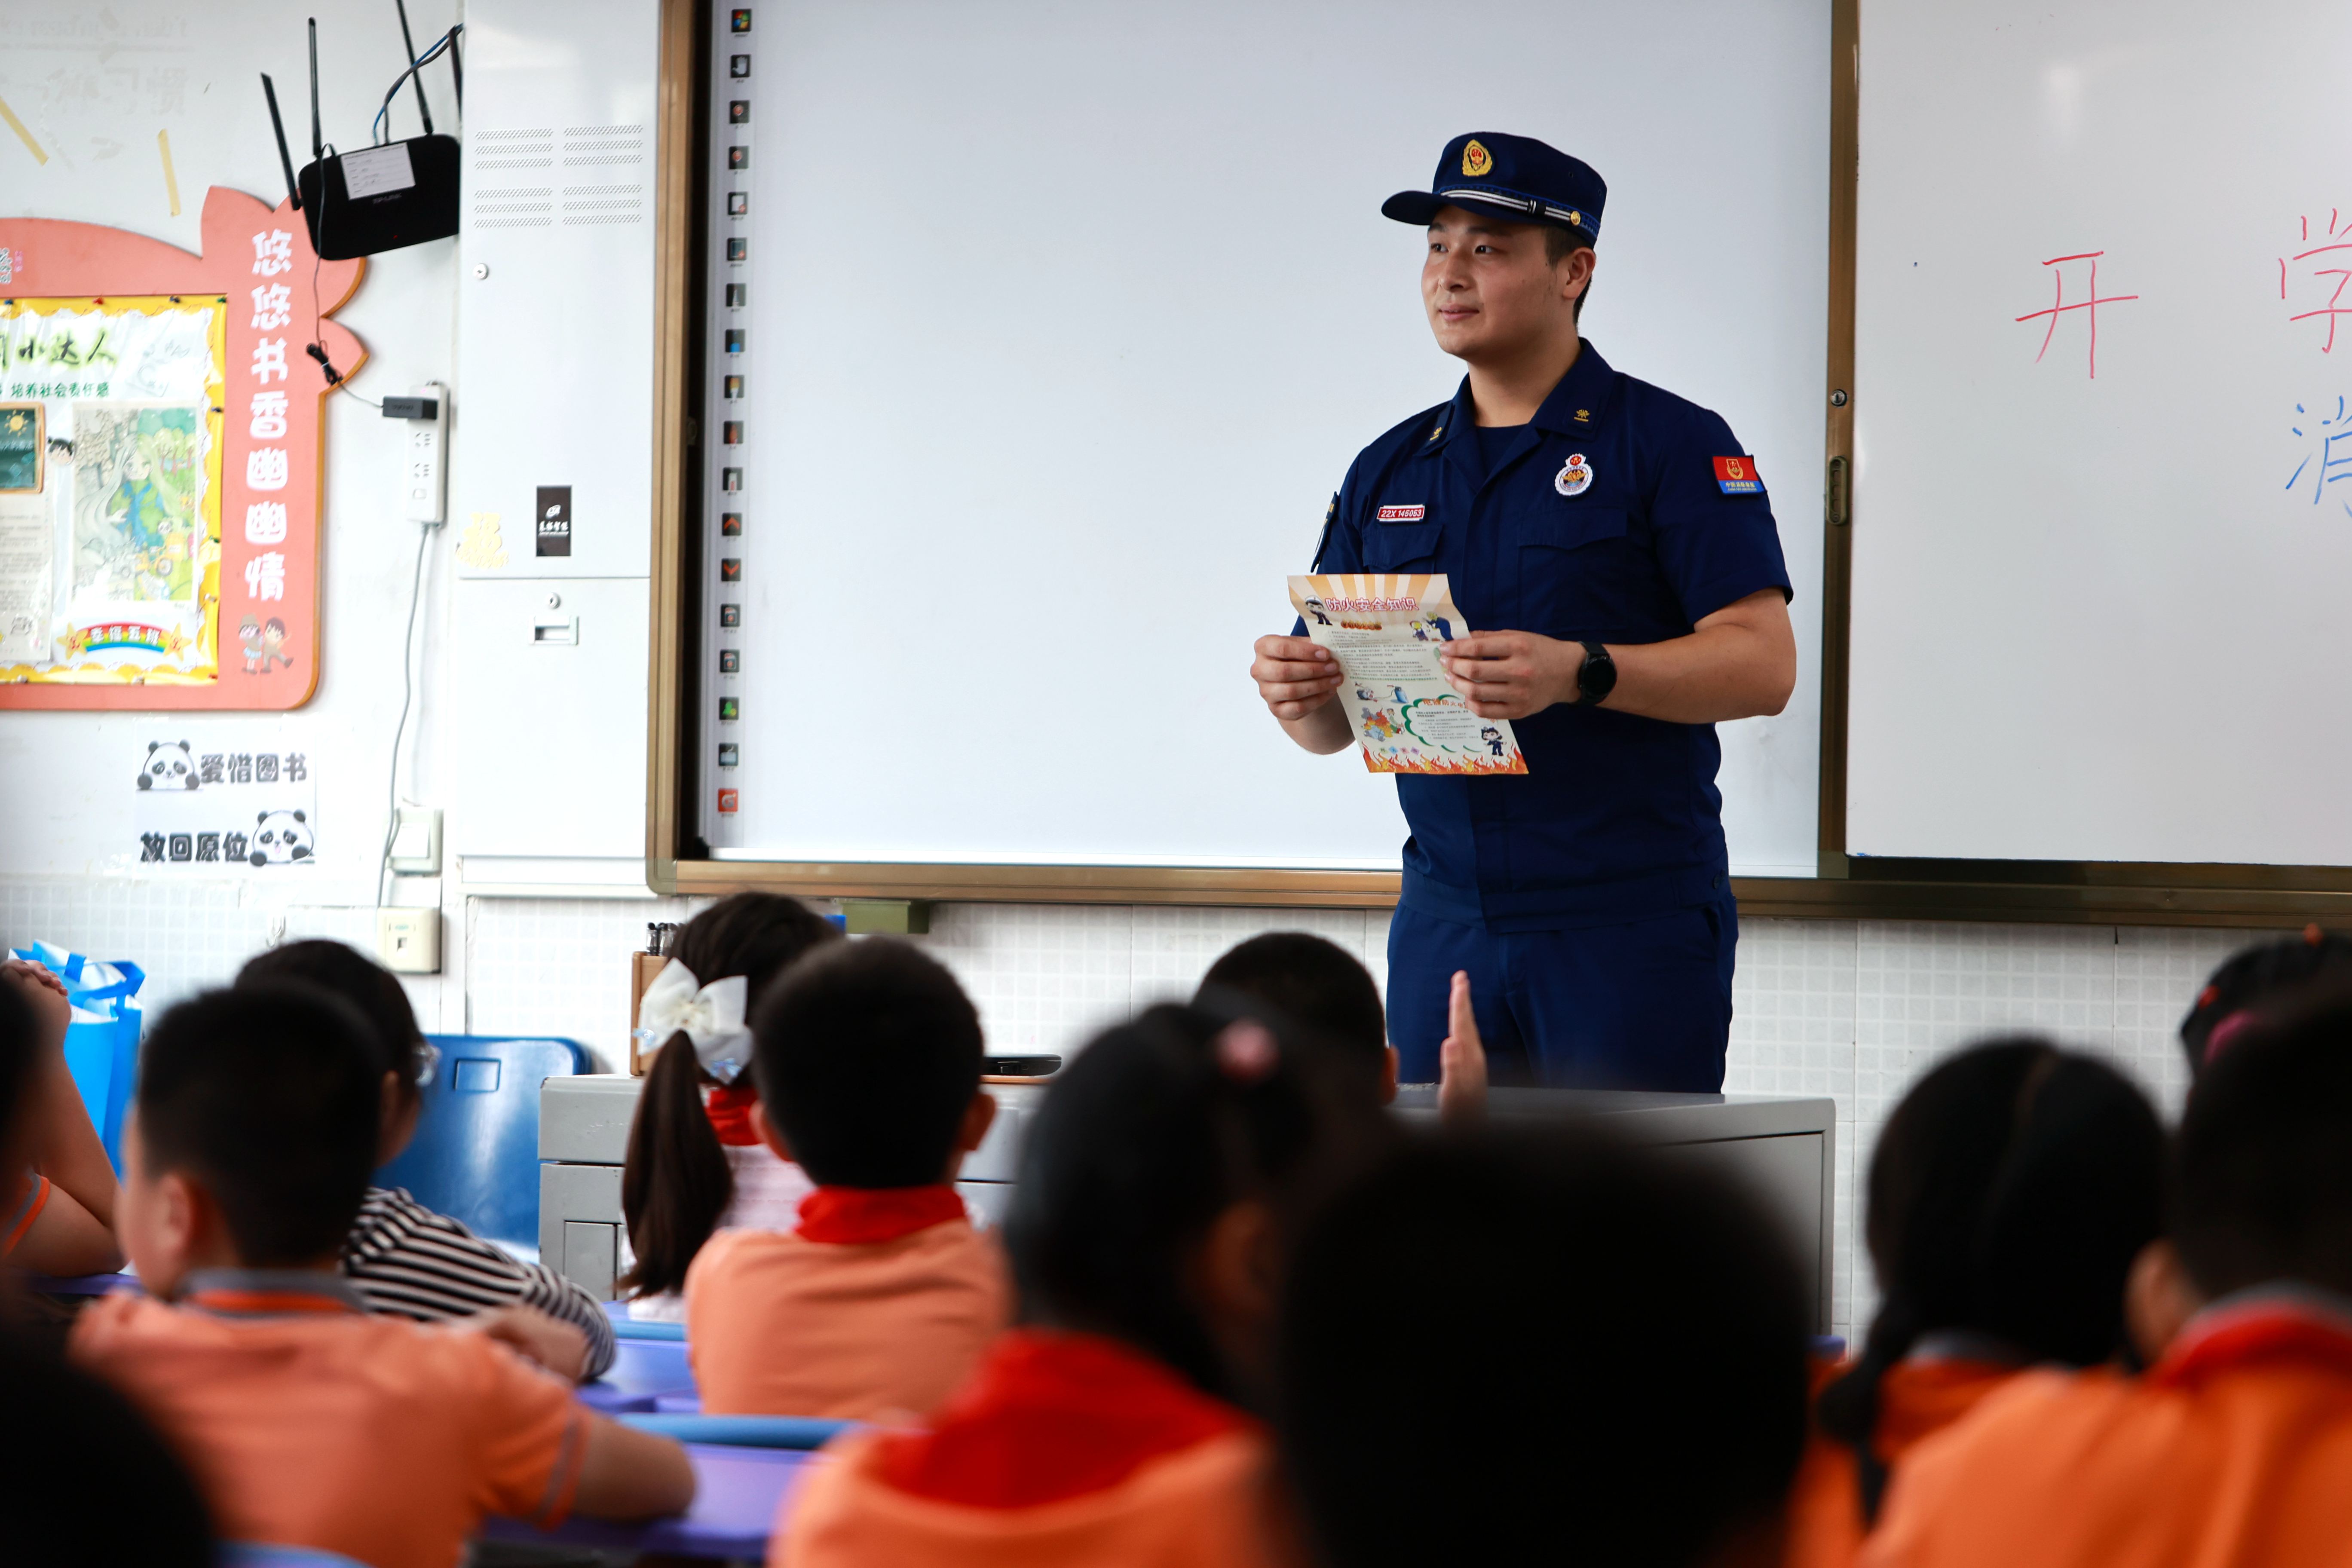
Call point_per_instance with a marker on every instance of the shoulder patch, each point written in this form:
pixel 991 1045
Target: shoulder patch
pixel 1738 477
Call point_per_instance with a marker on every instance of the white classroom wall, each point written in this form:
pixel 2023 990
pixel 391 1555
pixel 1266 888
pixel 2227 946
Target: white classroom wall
pixel 1849 1009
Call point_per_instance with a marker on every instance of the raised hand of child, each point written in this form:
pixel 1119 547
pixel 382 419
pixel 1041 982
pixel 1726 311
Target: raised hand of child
pixel 45 994
pixel 550 1342
pixel 1461 1060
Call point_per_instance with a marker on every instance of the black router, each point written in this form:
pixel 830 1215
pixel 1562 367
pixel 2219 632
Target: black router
pixel 379 198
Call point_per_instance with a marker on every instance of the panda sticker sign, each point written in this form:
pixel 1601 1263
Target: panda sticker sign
pixel 209 808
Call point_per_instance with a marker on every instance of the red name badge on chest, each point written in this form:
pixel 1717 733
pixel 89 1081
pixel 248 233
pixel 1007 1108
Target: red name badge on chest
pixel 1738 477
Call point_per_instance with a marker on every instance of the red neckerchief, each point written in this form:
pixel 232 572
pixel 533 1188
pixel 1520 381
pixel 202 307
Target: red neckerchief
pixel 2266 1328
pixel 730 1109
pixel 266 1303
pixel 1050 1415
pixel 863 1215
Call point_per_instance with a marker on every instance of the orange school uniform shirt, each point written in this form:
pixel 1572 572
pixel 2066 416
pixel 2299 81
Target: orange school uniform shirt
pixel 880 1303
pixel 306 1422
pixel 2236 1448
pixel 1063 1451
pixel 1916 1399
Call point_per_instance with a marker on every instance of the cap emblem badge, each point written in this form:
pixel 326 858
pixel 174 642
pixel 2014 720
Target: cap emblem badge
pixel 1476 162
pixel 1575 476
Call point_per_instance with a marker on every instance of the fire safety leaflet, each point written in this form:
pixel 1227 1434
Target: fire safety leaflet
pixel 1385 630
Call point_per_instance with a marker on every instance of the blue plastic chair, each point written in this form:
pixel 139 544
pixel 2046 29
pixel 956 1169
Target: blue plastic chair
pixel 255 1555
pixel 476 1154
pixel 741 1431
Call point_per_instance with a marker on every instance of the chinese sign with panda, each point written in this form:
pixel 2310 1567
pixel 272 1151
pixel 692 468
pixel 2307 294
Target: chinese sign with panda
pixel 204 809
pixel 160 461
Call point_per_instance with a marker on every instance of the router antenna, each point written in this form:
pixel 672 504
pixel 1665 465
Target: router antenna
pixel 285 159
pixel 416 79
pixel 318 142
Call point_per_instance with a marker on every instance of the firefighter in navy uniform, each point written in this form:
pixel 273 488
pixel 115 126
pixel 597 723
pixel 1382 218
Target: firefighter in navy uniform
pixel 1615 551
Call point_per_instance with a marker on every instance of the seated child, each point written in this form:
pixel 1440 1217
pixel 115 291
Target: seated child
pixel 869 1057
pixel 1315 985
pixel 307 1420
pixel 695 1164
pixel 65 1431
pixel 1534 1346
pixel 57 1208
pixel 1318 984
pixel 2009 1194
pixel 2236 1446
pixel 1158 1186
pixel 401 1256
pixel 2257 979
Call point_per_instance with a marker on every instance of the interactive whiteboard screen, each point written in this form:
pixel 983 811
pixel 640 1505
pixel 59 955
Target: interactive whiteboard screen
pixel 2102 501
pixel 1041 334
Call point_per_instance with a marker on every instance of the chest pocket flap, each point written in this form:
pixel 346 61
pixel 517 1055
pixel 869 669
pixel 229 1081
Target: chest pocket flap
pixel 1570 526
pixel 1389 546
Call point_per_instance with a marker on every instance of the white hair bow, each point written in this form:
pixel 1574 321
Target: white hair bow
pixel 712 1016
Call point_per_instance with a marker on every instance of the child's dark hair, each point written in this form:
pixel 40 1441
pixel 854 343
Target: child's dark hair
pixel 1315 983
pixel 675 1181
pixel 2009 1194
pixel 868 1055
pixel 2263 1183
pixel 1157 1128
pixel 1585 1449
pixel 359 980
pixel 66 1436
pixel 2256 978
pixel 269 1096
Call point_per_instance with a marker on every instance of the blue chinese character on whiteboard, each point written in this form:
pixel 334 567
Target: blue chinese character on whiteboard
pixel 2322 464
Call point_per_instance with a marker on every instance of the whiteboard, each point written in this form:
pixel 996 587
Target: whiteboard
pixel 1063 322
pixel 2098 606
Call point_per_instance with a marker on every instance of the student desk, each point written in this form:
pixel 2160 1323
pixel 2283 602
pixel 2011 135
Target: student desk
pixel 738 1495
pixel 646 1375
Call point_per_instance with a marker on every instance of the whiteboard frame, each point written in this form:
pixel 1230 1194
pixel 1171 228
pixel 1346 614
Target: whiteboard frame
pixel 1846 889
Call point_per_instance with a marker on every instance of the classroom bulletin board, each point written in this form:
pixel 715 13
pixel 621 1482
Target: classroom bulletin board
pixel 162 429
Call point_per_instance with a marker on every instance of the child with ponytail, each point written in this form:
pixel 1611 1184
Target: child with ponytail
pixel 2009 1194
pixel 695 1162
pixel 1159 1186
pixel 2256 982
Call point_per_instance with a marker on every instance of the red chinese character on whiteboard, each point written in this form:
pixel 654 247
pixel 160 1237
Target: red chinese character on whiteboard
pixel 2088 304
pixel 2319 267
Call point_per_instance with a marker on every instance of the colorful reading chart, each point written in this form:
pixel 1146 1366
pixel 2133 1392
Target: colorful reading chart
pixel 161 431
pixel 1386 631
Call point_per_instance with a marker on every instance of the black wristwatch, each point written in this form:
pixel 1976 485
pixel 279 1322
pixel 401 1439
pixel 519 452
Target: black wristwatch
pixel 1597 679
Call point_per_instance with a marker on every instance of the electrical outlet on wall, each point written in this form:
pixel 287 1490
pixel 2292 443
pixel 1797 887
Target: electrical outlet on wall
pixel 408 941
pixel 424 467
pixel 417 841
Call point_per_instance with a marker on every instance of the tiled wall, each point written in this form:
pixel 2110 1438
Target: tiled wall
pixel 1853 1010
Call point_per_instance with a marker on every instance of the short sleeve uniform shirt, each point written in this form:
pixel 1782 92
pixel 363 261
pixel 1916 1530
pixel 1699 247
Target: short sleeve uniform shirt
pixel 1620 514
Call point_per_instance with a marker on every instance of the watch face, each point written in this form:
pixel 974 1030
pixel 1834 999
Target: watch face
pixel 1597 679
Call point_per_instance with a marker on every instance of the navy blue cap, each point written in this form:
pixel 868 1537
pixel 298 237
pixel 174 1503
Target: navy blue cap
pixel 1508 176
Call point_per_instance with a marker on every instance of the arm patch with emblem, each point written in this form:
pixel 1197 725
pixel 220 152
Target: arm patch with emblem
pixel 1738 477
